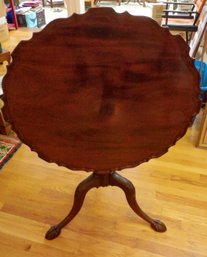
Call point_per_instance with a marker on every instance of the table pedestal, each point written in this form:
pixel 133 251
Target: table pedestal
pixel 102 180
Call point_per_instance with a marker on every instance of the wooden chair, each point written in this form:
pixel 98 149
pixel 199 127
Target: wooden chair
pixel 198 48
pixel 183 20
pixel 198 36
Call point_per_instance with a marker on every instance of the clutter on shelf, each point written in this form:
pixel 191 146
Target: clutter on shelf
pixel 25 14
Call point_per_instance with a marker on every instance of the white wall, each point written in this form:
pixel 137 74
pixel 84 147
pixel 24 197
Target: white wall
pixel 75 6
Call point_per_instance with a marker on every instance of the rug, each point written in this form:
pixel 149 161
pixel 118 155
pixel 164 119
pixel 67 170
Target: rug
pixel 8 146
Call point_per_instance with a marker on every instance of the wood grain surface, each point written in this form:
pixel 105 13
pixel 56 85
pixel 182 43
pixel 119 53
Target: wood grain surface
pixel 101 91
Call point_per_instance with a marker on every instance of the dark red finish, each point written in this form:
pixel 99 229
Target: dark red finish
pixel 101 91
pixel 102 180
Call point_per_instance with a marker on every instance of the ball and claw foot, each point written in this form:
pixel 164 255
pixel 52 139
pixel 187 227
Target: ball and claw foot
pixel 52 233
pixel 158 226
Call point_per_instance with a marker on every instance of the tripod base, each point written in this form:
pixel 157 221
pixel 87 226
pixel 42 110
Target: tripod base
pixel 97 180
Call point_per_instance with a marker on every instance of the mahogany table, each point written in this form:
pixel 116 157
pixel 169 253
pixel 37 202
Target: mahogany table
pixel 101 92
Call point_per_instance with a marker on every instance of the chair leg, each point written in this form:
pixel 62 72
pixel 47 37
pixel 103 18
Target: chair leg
pixel 50 2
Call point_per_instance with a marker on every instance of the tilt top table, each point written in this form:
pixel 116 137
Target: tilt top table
pixel 111 90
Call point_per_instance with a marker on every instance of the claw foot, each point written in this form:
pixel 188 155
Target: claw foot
pixel 158 226
pixel 52 233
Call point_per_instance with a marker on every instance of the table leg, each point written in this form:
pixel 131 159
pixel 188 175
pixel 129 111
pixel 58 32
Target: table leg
pixel 129 190
pixel 97 180
pixel 80 193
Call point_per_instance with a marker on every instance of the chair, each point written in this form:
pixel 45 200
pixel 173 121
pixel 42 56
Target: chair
pixel 196 40
pixel 198 46
pixel 183 20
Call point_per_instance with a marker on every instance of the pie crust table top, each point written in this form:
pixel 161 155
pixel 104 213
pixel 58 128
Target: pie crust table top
pixel 101 91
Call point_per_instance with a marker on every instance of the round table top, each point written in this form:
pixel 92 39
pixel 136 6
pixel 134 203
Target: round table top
pixel 101 91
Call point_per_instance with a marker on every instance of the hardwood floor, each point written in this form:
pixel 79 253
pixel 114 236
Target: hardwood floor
pixel 173 188
pixel 35 195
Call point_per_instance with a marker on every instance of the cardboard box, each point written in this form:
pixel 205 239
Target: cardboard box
pixel 157 11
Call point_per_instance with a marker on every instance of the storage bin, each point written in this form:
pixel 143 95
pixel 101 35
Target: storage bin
pixel 40 18
pixel 203 73
pixel 21 19
pixel 31 19
pixel 203 78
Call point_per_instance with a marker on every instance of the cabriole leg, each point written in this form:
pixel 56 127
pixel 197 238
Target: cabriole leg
pixel 129 190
